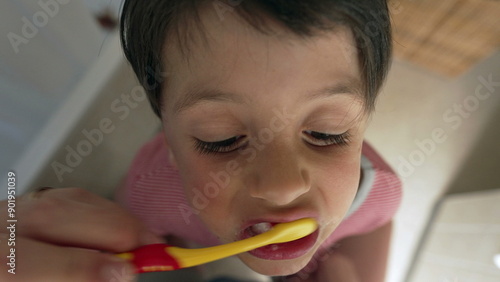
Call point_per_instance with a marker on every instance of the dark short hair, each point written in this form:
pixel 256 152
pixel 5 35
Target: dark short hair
pixel 145 25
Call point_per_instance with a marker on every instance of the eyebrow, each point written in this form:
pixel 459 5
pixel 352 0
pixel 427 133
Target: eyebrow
pixel 351 87
pixel 196 95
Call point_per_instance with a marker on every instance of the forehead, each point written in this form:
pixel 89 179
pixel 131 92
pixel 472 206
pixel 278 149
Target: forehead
pixel 227 50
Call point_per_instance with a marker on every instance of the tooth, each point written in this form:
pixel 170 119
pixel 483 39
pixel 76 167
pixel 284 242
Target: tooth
pixel 261 227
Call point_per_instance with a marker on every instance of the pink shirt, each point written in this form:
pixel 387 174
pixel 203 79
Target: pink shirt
pixel 154 193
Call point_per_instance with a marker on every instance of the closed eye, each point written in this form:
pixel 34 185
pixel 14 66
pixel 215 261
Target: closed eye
pixel 324 139
pixel 232 144
pixel 223 146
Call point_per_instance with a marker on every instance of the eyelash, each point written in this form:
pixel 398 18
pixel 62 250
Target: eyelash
pixel 231 144
pixel 329 139
pixel 223 146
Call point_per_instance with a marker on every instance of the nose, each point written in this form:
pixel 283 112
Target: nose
pixel 277 177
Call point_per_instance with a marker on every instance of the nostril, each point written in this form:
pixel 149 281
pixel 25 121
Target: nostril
pixel 279 197
pixel 280 186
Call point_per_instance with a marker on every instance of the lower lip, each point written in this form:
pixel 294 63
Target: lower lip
pixel 282 251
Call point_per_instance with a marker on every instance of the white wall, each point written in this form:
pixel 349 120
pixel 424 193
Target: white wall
pixel 414 104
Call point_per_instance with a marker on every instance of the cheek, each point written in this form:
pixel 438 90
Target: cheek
pixel 207 191
pixel 337 185
pixel 344 176
pixel 210 200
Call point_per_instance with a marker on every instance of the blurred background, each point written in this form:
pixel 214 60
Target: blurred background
pixel 73 114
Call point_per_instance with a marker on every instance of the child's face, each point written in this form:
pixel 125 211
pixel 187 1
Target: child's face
pixel 272 93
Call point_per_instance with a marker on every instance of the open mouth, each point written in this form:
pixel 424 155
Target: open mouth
pixel 281 251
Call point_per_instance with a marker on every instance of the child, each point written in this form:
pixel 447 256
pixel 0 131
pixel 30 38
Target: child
pixel 264 105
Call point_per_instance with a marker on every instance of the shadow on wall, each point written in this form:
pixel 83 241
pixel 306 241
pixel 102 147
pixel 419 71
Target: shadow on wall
pixel 480 170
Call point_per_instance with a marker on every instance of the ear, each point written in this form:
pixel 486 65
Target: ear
pixel 171 156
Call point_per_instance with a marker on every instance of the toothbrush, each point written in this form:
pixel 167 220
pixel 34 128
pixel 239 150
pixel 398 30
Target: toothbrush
pixel 163 257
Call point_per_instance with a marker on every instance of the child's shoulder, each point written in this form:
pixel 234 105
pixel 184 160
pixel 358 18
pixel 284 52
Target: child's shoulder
pixel 151 156
pixel 153 192
pixel 385 187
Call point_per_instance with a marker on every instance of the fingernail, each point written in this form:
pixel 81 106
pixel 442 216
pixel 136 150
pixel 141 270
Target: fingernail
pixel 117 270
pixel 150 238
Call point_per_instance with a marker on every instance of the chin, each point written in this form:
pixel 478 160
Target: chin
pixel 275 267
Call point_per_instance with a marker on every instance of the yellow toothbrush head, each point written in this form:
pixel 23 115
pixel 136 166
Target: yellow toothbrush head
pixel 289 231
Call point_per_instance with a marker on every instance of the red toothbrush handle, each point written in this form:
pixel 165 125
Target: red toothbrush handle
pixel 150 258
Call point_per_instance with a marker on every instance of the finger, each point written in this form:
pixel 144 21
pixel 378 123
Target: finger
pixel 37 261
pixel 76 217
